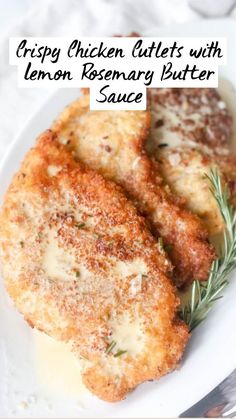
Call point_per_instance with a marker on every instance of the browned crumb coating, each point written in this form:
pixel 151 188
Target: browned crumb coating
pixel 81 266
pixel 190 135
pixel 112 142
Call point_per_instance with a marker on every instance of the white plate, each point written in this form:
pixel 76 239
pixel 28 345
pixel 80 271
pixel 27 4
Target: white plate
pixel 210 356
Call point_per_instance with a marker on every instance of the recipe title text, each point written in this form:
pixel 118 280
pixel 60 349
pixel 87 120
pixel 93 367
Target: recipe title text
pixel 118 70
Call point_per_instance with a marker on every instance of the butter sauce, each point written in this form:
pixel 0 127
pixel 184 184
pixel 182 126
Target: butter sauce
pixel 58 370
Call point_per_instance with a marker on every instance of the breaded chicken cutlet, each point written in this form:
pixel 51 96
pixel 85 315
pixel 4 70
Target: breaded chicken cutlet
pixel 112 143
pixel 81 266
pixel 190 135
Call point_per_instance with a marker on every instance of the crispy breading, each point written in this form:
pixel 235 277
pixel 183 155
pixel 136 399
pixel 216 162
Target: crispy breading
pixel 227 166
pixel 185 169
pixel 113 144
pixel 190 135
pixel 190 117
pixel 82 266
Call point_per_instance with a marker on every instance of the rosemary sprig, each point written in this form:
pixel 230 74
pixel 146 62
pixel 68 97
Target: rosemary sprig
pixel 204 294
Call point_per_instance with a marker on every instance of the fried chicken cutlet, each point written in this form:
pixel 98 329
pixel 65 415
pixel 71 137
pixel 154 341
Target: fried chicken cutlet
pixel 112 142
pixel 82 266
pixel 190 135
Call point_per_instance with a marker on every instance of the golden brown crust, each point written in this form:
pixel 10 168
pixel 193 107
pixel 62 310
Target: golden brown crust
pixel 113 144
pixel 184 169
pixel 190 135
pixel 195 115
pixel 80 264
pixel 227 165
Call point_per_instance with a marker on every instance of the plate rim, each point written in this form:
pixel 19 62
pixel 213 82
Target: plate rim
pixel 11 149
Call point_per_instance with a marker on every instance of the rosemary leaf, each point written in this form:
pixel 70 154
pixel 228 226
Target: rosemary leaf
pixel 160 242
pixel 110 347
pixel 204 294
pixel 119 353
pixel 83 358
pixel 80 225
